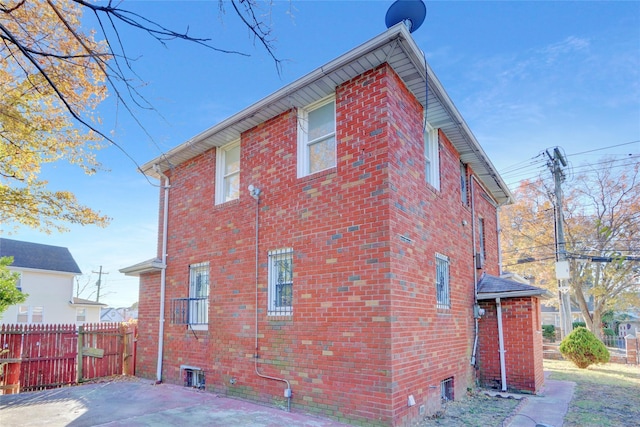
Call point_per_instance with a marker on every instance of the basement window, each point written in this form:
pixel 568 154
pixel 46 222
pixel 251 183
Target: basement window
pixel 446 389
pixel 193 377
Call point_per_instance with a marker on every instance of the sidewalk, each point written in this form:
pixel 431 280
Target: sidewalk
pixel 545 409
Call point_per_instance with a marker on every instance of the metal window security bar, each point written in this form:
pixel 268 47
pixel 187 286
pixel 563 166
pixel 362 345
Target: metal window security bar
pixel 190 311
pixel 442 282
pixel 280 282
pixel 193 377
pixel 446 389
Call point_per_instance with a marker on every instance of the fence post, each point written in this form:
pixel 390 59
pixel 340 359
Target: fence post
pixel 632 349
pixel 79 355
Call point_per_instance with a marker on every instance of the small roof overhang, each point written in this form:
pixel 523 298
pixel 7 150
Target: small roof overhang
pixel 492 287
pixel 148 266
pixel 396 47
pixel 82 301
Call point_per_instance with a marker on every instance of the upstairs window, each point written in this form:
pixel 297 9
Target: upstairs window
pixel 443 299
pixel 280 282
pixel 432 157
pixel 228 173
pixel 317 137
pixel 464 184
pixel 481 237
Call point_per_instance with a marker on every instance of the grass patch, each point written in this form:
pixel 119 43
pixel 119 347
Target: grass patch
pixel 605 395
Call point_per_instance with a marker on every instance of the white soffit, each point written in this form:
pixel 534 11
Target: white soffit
pixel 395 47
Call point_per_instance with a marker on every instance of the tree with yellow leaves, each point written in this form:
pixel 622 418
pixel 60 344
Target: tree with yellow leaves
pixel 602 222
pixel 53 74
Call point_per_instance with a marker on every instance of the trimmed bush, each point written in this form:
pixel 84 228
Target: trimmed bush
pixel 583 348
pixel 549 332
pixel 578 324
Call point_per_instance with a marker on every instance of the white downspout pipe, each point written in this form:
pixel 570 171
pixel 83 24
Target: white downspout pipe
pixel 163 272
pixel 475 272
pixel 503 368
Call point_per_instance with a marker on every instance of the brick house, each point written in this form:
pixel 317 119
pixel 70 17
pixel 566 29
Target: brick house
pixel 324 243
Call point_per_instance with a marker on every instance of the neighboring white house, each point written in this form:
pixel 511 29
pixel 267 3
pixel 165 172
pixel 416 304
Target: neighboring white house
pixel 122 314
pixel 47 275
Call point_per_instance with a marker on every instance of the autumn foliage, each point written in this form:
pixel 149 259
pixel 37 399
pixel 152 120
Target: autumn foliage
pixel 46 71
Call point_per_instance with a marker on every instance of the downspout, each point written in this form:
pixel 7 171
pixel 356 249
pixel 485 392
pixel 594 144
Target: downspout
pixel 476 310
pixel 163 272
pixel 255 193
pixel 503 368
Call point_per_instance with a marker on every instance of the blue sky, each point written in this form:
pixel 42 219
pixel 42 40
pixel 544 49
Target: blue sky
pixel 526 76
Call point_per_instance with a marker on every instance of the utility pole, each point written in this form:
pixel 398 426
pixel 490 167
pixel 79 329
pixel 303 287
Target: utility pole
pixel 99 282
pixel 562 265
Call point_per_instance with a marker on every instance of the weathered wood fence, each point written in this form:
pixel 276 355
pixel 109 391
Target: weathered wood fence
pixel 39 357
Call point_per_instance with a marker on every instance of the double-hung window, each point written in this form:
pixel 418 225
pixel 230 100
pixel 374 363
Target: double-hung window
pixel 464 184
pixel 228 173
pixel 481 237
pixel 431 157
pixel 443 297
pixel 280 292
pixel 199 293
pixel 317 137
pixel 30 314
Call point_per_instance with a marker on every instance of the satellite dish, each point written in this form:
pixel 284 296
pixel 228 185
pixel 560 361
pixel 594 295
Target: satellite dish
pixel 411 12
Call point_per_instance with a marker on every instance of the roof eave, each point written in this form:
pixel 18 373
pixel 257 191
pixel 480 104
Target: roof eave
pixel 149 266
pixel 541 293
pixel 396 47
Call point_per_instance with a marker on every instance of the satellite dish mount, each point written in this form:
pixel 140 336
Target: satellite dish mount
pixel 410 12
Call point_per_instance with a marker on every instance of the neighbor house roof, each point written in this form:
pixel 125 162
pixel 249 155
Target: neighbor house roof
pixel 38 256
pixel 82 301
pixel 397 48
pixel 492 287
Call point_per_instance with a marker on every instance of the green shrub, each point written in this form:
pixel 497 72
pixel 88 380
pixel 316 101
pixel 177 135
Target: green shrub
pixel 578 324
pixel 609 332
pixel 583 348
pixel 549 332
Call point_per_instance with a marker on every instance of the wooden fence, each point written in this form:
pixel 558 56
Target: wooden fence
pixel 39 357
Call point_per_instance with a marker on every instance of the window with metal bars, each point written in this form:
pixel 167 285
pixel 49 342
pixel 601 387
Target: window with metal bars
pixel 195 309
pixel 194 377
pixel 280 292
pixel 446 389
pixel 443 299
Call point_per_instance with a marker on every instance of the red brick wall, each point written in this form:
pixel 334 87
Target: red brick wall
pixel 522 341
pixel 364 322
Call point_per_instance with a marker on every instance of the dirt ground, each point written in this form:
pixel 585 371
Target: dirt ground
pixel 475 410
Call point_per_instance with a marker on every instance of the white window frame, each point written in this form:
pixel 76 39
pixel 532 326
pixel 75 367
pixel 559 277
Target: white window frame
pixel 222 176
pixel 464 183
pixel 482 240
pixel 304 144
pixel 275 306
pixel 199 290
pixel 432 156
pixel 81 312
pixel 443 281
pixel 30 311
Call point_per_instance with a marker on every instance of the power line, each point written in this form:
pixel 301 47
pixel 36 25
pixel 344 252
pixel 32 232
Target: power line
pixel 605 148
